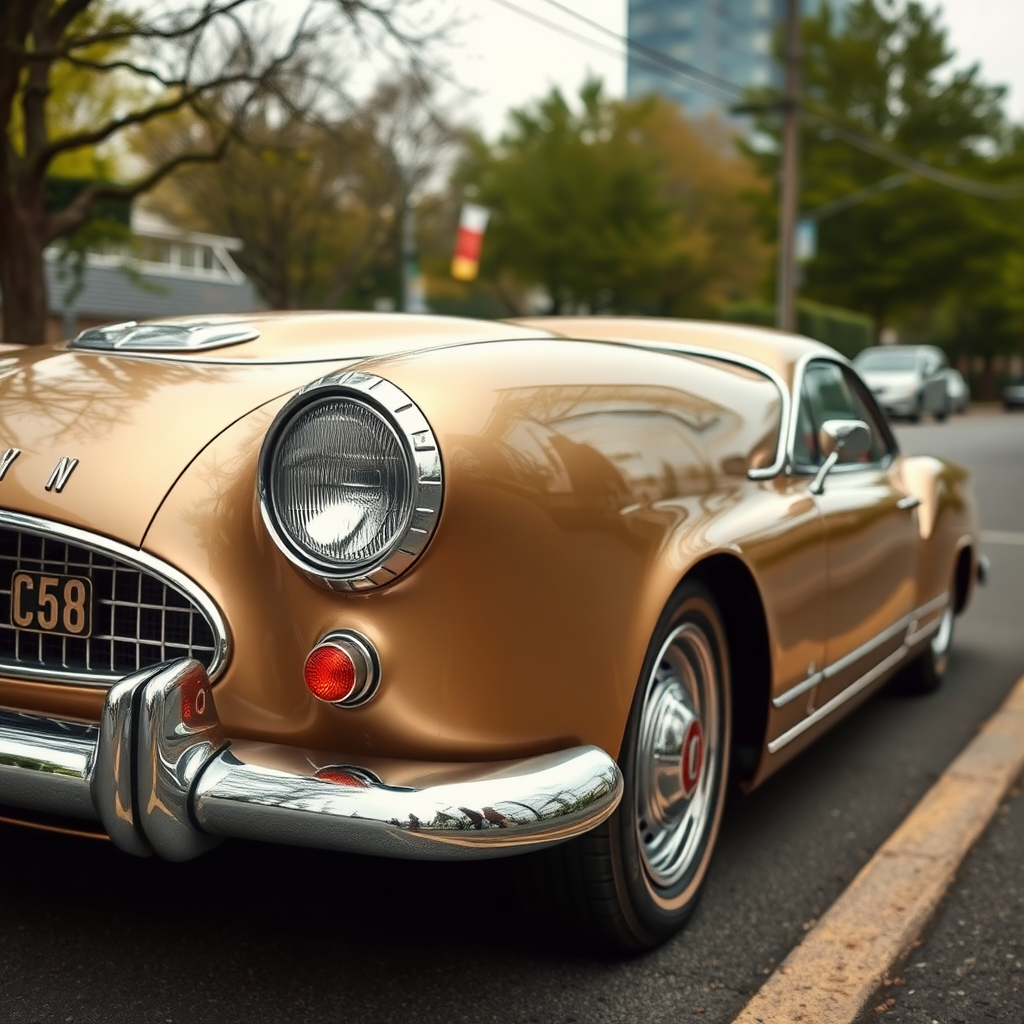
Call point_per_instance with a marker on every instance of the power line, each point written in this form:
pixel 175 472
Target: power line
pixel 668 66
pixel 979 189
pixel 661 63
pixel 681 67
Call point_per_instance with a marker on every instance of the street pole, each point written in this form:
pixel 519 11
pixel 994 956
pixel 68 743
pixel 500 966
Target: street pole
pixel 785 306
pixel 414 298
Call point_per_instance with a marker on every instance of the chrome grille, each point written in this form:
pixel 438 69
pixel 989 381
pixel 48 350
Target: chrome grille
pixel 139 616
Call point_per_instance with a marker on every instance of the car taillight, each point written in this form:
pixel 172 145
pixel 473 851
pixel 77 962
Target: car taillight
pixel 342 669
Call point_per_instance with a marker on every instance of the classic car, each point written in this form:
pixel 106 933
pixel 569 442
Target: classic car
pixel 434 588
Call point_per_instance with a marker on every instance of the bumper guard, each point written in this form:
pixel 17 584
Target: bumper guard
pixel 162 778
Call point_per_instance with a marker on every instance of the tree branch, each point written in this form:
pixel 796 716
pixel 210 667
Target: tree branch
pixel 64 15
pixel 75 213
pixel 45 155
pixel 124 35
pixel 127 65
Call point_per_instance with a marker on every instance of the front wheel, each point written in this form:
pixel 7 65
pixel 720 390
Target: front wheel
pixel 634 881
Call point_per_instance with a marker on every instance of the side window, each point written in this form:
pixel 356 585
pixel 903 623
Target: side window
pixel 883 443
pixel 830 392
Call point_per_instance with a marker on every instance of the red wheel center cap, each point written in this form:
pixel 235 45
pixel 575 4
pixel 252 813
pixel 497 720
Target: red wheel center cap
pixel 692 757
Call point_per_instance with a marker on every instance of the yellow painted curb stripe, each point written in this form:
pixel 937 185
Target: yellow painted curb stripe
pixel 832 974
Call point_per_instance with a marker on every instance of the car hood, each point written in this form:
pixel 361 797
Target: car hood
pixel 887 379
pixel 133 425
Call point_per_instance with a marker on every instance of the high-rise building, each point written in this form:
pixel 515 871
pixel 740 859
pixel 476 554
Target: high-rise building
pixel 729 39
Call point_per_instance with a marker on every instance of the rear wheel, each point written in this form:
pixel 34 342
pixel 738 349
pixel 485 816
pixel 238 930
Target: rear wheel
pixel 633 882
pixel 925 673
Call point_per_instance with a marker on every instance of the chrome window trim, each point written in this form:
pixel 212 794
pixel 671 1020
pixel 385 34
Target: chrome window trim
pixel 148 563
pixel 415 434
pixel 798 469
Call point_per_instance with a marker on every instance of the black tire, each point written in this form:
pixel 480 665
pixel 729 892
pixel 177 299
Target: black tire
pixel 915 416
pixel 925 673
pixel 940 417
pixel 630 884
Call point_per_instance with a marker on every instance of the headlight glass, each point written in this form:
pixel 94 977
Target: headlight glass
pixel 340 483
pixel 350 481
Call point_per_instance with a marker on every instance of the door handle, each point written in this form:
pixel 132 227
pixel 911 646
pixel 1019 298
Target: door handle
pixel 908 502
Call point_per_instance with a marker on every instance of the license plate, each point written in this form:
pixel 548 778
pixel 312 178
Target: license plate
pixel 42 603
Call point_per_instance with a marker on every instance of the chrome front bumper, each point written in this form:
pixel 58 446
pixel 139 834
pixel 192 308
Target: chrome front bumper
pixel 162 778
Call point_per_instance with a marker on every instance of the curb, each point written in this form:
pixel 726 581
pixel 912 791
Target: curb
pixel 845 958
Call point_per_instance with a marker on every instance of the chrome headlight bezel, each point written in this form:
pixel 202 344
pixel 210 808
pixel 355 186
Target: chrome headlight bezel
pixel 426 479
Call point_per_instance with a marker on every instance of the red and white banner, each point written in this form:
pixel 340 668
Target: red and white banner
pixel 468 242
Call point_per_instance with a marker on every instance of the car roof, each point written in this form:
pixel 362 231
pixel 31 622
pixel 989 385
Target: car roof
pixel 778 350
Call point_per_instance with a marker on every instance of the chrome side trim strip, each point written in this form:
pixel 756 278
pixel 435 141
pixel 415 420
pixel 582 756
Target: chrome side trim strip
pixel 133 556
pixel 854 656
pixel 795 691
pixel 838 700
pixel 934 605
pixel 925 631
pixel 908 621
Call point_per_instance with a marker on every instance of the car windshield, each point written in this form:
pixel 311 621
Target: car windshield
pixel 881 360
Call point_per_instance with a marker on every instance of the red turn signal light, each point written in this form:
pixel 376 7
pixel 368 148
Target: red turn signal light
pixel 342 669
pixel 342 777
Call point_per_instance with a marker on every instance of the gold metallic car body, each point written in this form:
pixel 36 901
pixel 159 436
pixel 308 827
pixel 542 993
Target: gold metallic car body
pixel 590 466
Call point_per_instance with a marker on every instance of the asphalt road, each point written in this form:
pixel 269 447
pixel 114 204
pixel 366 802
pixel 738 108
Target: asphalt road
pixel 970 967
pixel 258 933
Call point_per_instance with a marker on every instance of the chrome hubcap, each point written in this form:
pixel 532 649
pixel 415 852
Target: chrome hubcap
pixel 677 755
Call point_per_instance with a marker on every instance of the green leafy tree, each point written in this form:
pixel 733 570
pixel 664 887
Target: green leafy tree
pixel 616 206
pixel 882 74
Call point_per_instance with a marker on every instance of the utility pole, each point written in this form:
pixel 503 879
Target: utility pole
pixel 414 299
pixel 785 305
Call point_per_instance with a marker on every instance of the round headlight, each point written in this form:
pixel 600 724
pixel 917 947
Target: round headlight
pixel 350 481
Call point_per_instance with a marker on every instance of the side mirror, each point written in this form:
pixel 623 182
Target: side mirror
pixel 840 441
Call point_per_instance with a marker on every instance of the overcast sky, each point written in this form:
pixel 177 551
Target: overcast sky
pixel 508 59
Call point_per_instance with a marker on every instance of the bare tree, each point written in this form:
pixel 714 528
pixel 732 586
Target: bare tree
pixel 210 59
pixel 317 200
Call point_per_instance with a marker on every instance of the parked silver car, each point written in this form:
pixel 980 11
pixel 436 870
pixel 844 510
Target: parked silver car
pixel 957 391
pixel 906 380
pixel 1013 395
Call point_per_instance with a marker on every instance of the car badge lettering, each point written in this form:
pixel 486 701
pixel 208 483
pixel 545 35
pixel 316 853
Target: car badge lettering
pixel 61 473
pixel 8 457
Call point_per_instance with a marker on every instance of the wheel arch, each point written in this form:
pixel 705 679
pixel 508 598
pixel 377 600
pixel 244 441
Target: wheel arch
pixel 738 597
pixel 963 577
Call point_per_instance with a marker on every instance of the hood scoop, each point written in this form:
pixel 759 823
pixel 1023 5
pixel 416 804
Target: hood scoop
pixel 154 336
